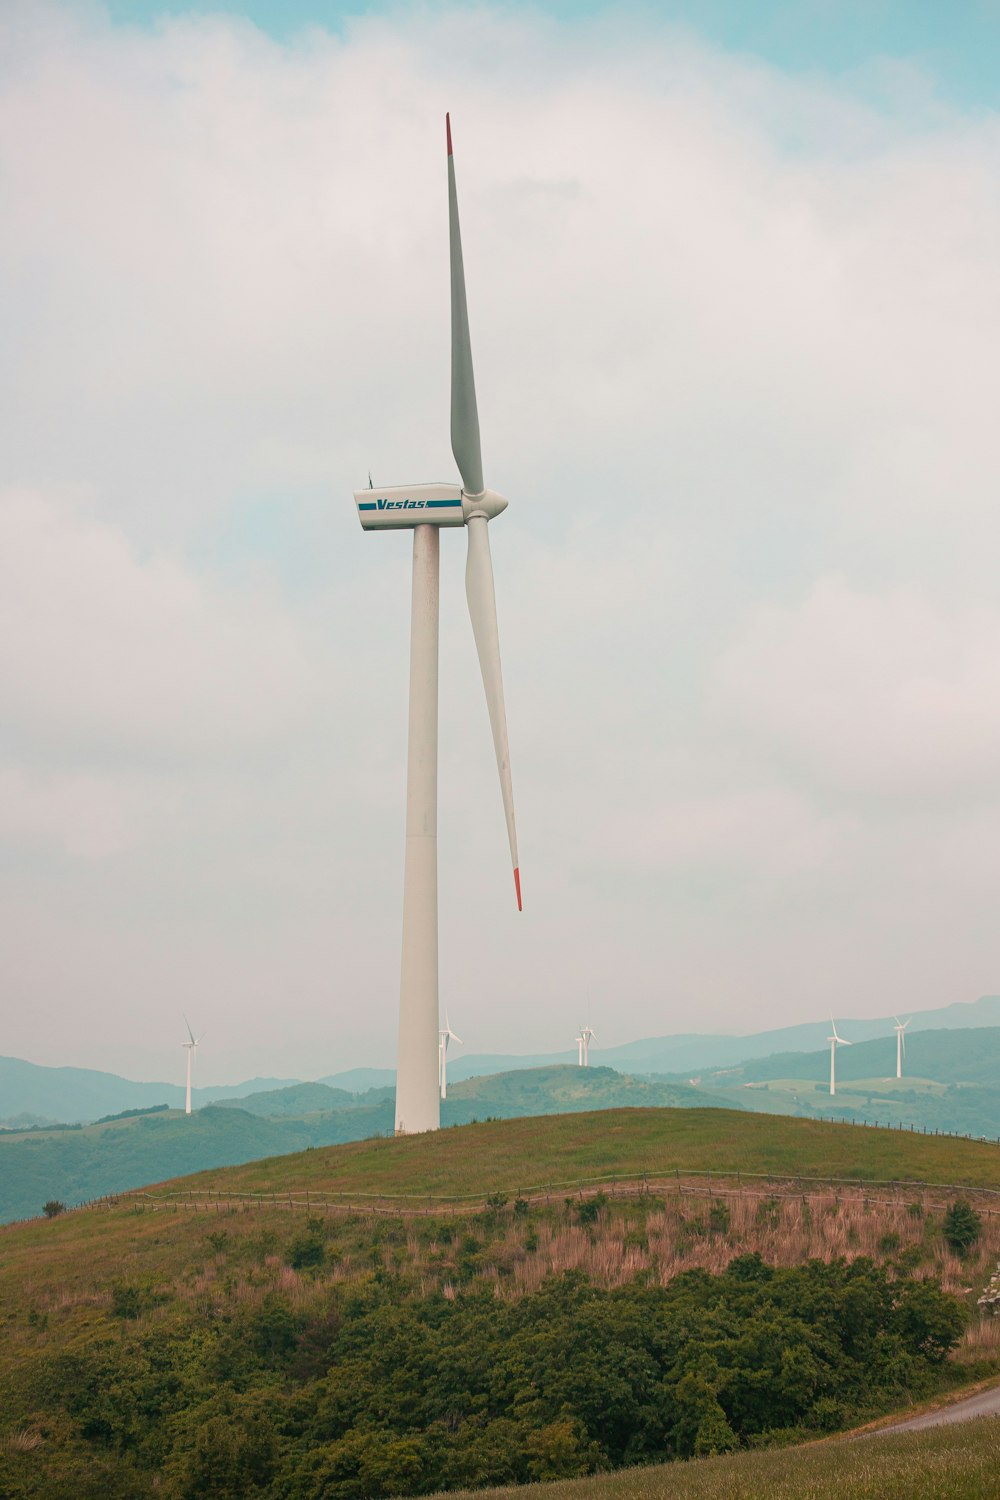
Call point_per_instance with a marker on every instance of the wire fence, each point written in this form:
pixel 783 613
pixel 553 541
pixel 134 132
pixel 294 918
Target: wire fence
pixel 718 1183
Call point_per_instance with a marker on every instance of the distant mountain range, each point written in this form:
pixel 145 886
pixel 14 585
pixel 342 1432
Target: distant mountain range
pixel 30 1093
pixel 688 1053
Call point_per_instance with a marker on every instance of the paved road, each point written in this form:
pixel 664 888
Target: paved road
pixel 982 1404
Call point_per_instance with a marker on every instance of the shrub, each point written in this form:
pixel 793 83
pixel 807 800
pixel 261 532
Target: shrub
pixel 589 1211
pixel 962 1226
pixel 129 1300
pixel 718 1218
pixel 308 1250
pixel 53 1208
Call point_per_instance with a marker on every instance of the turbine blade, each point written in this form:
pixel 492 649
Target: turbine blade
pixel 483 612
pixel 464 412
pixel 187 1023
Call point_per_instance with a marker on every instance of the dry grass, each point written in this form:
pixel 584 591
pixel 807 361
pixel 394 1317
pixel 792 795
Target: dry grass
pixel 242 1257
pixel 25 1440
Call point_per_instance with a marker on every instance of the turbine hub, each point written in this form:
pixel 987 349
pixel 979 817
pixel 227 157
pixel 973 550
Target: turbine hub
pixel 487 503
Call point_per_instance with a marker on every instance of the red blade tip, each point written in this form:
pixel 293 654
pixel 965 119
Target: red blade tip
pixel 447 126
pixel 517 887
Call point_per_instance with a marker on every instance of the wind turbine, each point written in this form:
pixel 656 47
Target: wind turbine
pixel 191 1048
pixel 444 1037
pixel 579 1049
pixel 900 1029
pixel 835 1042
pixel 425 508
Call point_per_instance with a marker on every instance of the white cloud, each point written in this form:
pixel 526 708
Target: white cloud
pixel 882 694
pixel 102 649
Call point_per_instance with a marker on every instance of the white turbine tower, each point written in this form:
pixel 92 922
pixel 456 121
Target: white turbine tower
pixel 191 1048
pixel 444 1037
pixel 900 1029
pixel 425 508
pixel 835 1042
pixel 583 1042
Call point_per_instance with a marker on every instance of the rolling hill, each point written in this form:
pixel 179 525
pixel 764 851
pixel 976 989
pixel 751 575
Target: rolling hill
pixel 188 1344
pixel 76 1165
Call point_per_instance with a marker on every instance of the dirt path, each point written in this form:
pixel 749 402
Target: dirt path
pixel 982 1404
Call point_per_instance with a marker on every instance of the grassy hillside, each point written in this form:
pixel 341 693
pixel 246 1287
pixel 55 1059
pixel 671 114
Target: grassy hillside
pixel 295 1355
pixel 947 1463
pixel 484 1158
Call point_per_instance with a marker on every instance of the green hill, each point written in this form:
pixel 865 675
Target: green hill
pixel 570 1148
pixel 299 1099
pixel 562 1088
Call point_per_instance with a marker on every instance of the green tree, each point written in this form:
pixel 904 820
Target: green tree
pixel 559 1450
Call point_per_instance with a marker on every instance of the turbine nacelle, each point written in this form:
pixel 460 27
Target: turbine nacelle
pixel 398 507
pixel 407 505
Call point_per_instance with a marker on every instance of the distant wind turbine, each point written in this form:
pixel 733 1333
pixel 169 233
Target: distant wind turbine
pixel 191 1048
pixel 835 1042
pixel 444 1037
pixel 900 1028
pixel 583 1042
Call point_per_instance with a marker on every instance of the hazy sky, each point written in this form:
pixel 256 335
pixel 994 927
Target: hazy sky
pixel 736 318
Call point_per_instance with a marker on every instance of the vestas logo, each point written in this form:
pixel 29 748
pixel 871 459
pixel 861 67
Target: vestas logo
pixel 400 504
